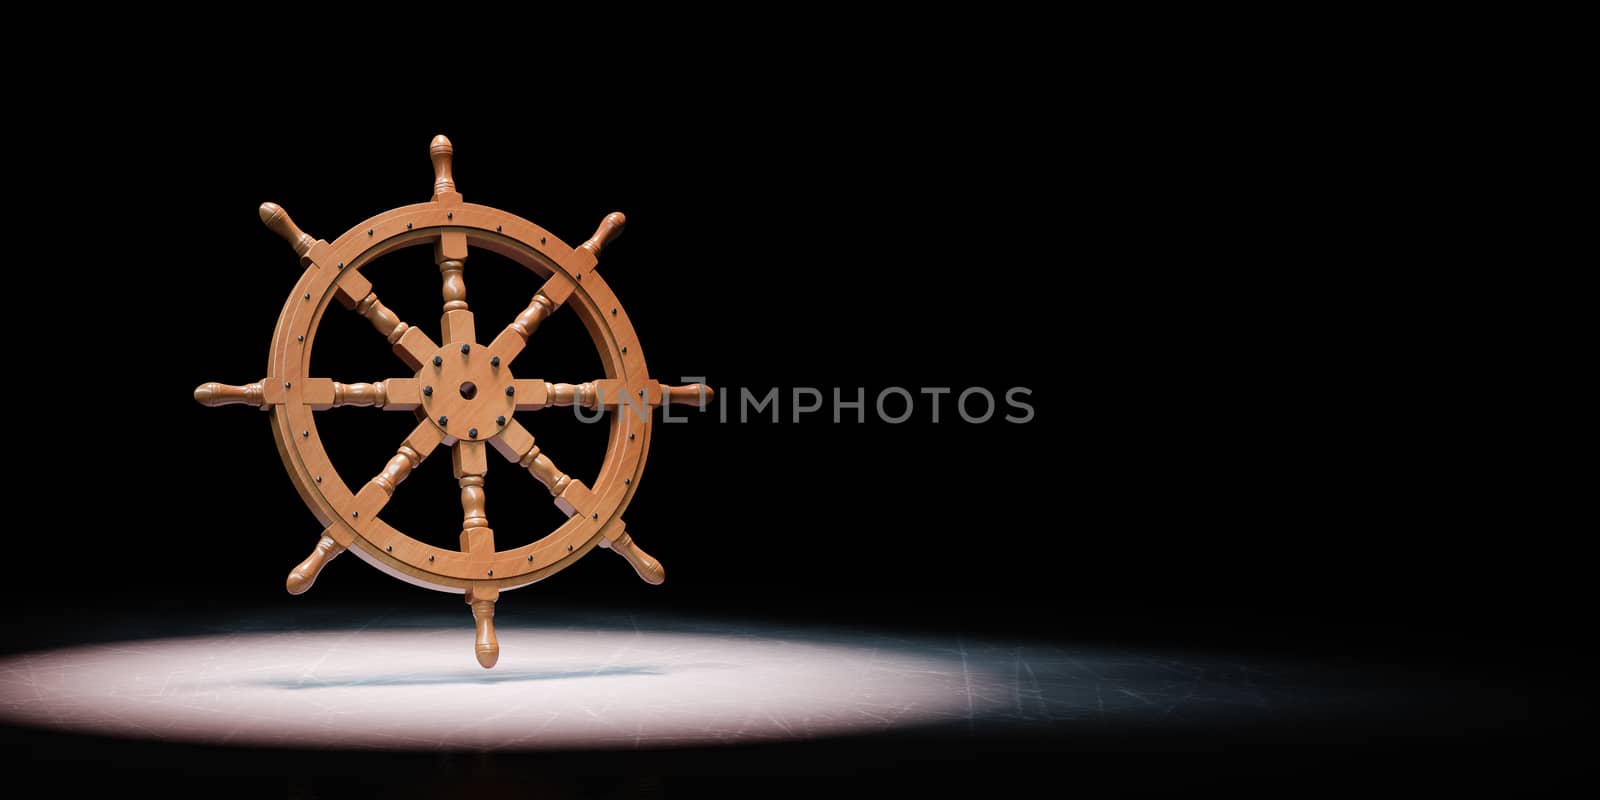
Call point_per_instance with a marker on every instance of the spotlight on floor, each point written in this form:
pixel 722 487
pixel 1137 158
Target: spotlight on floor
pixel 408 686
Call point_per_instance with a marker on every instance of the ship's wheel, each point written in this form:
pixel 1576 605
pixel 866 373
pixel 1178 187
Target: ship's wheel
pixel 463 394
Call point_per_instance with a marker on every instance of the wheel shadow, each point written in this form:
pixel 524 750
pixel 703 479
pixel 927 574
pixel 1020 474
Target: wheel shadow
pixel 443 678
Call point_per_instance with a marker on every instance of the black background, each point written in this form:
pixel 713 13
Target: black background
pixel 1239 425
pixel 1264 419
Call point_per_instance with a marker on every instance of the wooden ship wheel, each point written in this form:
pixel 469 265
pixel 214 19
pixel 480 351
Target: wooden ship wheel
pixel 463 395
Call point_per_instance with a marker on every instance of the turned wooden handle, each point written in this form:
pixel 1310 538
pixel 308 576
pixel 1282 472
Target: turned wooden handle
pixel 360 394
pixel 221 394
pixel 649 569
pixel 441 151
pixel 487 646
pixel 610 228
pixel 695 394
pixel 277 220
pixel 545 471
pixel 528 321
pixel 571 394
pixel 302 576
pixel 385 321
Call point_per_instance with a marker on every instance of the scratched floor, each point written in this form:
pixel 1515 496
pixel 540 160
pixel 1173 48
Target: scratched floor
pixel 606 682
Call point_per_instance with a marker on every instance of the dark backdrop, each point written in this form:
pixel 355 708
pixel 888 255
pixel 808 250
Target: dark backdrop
pixel 1251 427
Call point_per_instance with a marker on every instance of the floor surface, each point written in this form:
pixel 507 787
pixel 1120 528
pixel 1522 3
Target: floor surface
pixel 698 700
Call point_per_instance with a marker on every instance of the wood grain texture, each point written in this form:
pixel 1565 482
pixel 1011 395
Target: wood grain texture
pixel 568 394
pixel 397 470
pixel 221 394
pixel 473 396
pixel 377 542
pixel 413 347
pixel 464 391
pixel 455 288
pixel 393 394
pixel 277 220
pixel 441 152
pixel 538 310
pixel 486 647
pixel 386 322
pixel 360 394
pixel 610 228
pixel 474 514
pixel 540 467
pixel 649 569
pixel 469 462
pixel 305 573
pixel 695 394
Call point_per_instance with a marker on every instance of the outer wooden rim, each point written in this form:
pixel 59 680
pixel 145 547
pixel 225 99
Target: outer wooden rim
pixel 332 500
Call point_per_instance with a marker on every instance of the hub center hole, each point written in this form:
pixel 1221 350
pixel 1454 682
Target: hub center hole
pixel 469 390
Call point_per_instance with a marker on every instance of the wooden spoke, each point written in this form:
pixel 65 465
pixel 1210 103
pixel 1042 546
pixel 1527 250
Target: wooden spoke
pixel 360 394
pixel 394 394
pixel 410 344
pixel 221 394
pixel 539 466
pixel 515 337
pixel 385 321
pixel 455 287
pixel 481 597
pixel 451 255
pixel 470 461
pixel 516 444
pixel 277 220
pixel 568 394
pixel 695 394
pixel 649 569
pixel 608 394
pixel 571 394
pixel 376 493
pixel 555 291
pixel 536 394
pixel 305 574
pixel 610 228
pixel 451 251
pixel 397 470
pixel 440 151
pixel 472 509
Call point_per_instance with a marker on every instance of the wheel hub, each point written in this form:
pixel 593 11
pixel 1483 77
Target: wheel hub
pixel 467 392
